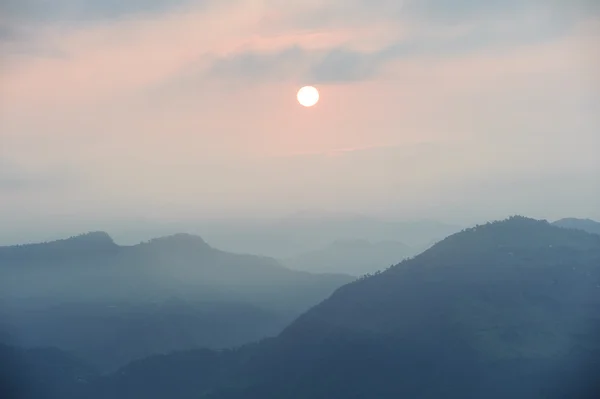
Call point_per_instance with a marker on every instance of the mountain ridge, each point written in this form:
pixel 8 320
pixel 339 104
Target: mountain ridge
pixel 83 295
pixel 351 256
pixel 506 309
pixel 473 245
pixel 82 244
pixel 589 225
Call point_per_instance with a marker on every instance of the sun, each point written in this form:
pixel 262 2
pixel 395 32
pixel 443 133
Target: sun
pixel 308 96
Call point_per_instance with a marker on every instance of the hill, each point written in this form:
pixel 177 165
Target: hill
pixel 111 304
pixel 591 226
pixel 507 309
pixel 354 257
pixel 309 231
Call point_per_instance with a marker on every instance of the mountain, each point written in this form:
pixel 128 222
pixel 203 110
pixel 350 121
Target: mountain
pixel 591 226
pixel 308 231
pixel 511 263
pixel 86 267
pixel 84 245
pixel 354 257
pixel 111 304
pixel 506 309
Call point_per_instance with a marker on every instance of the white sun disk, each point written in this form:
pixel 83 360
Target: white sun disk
pixel 308 96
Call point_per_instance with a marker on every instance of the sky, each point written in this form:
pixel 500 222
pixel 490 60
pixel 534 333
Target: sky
pixel 455 110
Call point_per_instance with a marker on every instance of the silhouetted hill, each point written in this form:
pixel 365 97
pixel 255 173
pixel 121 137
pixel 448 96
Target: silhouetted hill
pixel 519 291
pixel 355 257
pixel 514 262
pixel 162 267
pixel 90 244
pixel 591 226
pixel 507 309
pixel 111 304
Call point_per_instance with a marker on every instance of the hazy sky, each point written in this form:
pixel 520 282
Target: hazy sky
pixel 452 109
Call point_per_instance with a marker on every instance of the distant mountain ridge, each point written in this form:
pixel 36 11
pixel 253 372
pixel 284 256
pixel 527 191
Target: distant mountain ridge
pixel 309 231
pixel 351 256
pixel 589 225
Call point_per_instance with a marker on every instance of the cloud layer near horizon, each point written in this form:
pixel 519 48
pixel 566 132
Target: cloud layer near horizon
pixel 177 107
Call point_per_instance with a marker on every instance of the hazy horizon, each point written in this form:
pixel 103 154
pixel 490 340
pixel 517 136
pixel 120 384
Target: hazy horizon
pixel 178 112
pixel 304 231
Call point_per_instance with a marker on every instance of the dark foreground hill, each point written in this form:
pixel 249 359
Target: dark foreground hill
pixel 506 310
pixel 111 304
